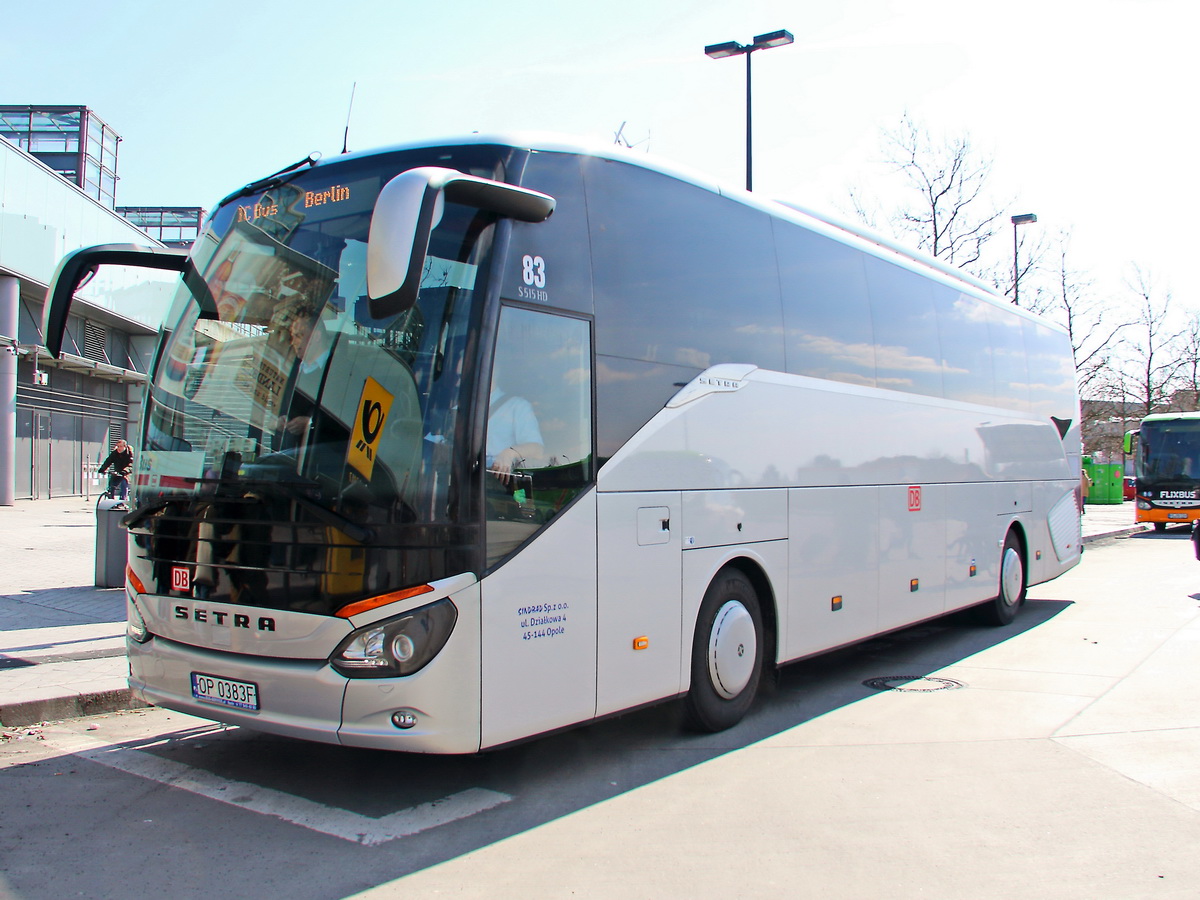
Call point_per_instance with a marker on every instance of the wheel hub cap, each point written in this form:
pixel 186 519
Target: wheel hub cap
pixel 1011 576
pixel 732 649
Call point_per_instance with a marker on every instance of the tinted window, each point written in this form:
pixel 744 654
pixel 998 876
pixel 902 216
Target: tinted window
pixel 826 316
pixel 1051 371
pixel 549 262
pixel 539 428
pixel 683 276
pixel 966 346
pixel 1008 357
pixel 908 352
pixel 628 394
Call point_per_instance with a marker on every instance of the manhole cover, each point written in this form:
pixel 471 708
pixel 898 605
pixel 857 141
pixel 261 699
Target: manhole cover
pixel 917 684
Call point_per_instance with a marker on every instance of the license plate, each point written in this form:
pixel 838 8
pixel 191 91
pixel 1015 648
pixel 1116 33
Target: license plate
pixel 224 691
pixel 1176 515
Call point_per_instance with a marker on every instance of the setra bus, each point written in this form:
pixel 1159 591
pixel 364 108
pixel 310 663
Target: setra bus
pixel 425 467
pixel 1166 448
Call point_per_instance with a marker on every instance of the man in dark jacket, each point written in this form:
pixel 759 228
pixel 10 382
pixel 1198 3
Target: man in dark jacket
pixel 121 460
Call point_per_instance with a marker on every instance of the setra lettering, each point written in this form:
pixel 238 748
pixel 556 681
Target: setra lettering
pixel 219 616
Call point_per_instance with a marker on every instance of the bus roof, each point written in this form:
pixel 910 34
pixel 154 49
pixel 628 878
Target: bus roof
pixel 1171 417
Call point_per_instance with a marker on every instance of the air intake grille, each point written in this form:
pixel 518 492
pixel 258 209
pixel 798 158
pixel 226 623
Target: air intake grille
pixel 1065 527
pixel 94 339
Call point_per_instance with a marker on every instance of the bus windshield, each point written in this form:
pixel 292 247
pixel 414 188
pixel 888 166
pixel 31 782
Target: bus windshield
pixel 1169 451
pixel 298 452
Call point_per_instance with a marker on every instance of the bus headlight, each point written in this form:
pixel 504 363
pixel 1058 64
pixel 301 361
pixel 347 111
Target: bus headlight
pixel 1144 504
pixel 399 646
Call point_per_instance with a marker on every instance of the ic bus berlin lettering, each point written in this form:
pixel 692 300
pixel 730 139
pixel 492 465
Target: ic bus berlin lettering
pixel 257 211
pixel 270 208
pixel 335 194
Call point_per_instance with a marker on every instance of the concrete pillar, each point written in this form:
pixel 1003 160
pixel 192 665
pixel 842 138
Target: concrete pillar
pixel 133 420
pixel 10 316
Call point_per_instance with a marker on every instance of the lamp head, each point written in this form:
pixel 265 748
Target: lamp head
pixel 720 51
pixel 779 38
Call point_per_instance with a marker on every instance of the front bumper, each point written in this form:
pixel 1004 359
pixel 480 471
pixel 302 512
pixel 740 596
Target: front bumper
pixel 310 700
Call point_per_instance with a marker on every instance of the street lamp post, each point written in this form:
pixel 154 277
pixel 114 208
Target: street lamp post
pixel 1023 219
pixel 733 48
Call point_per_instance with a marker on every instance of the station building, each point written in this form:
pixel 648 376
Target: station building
pixel 60 417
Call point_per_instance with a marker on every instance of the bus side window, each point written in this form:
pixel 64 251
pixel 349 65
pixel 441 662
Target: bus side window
pixel 549 264
pixel 538 445
pixel 908 350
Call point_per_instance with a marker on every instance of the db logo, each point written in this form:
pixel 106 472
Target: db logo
pixel 181 579
pixel 914 498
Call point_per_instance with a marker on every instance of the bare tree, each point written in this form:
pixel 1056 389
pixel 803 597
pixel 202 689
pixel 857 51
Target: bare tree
pixel 1024 267
pixel 1187 397
pixel 1145 378
pixel 946 215
pixel 1089 320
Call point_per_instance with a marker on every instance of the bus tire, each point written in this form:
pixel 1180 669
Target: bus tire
pixel 727 652
pixel 1160 526
pixel 1002 608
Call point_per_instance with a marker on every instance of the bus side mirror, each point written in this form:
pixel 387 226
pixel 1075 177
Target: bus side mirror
pixel 77 267
pixel 1129 435
pixel 410 207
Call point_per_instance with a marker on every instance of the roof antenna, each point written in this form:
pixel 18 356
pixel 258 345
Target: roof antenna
pixel 346 134
pixel 621 140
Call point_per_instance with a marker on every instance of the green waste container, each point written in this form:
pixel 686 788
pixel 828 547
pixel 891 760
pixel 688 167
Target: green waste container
pixel 1108 483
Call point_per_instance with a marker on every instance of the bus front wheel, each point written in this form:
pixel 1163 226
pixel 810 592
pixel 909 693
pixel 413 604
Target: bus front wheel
pixel 726 653
pixel 1002 608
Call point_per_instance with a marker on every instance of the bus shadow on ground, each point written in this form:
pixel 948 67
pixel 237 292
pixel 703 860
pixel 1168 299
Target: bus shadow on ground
pixel 1171 533
pixel 562 773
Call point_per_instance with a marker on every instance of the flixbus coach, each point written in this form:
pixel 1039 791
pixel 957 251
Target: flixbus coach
pixel 447 446
pixel 1166 448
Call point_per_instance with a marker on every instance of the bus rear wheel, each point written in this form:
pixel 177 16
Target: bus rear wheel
pixel 727 652
pixel 1002 608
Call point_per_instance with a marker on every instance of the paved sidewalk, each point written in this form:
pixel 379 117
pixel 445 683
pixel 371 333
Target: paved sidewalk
pixel 62 640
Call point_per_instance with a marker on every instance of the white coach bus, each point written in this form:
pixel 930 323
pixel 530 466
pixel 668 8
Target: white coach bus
pixel 427 467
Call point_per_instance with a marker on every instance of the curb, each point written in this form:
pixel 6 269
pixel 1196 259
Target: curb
pixel 31 712
pixel 1132 529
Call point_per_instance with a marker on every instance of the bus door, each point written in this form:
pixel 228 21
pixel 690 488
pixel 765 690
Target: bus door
pixel 539 599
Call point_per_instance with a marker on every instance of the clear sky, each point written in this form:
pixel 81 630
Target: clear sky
pixel 1086 107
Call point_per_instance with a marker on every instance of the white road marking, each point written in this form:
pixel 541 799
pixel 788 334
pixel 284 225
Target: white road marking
pixel 339 823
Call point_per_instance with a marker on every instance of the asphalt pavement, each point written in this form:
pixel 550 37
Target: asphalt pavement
pixel 62 638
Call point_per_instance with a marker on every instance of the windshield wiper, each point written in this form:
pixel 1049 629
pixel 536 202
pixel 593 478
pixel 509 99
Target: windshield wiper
pixel 298 490
pixel 272 180
pixel 144 510
pixel 331 517
pixel 293 491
